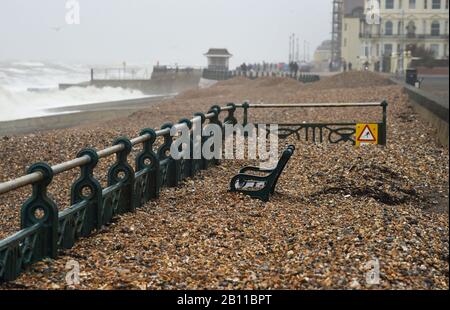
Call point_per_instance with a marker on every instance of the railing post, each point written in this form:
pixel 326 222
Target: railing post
pixel 88 188
pixel 216 110
pixel 147 159
pixel 168 169
pixel 215 120
pixel 39 208
pixel 245 106
pixel 383 131
pixel 122 172
pixel 201 164
pixel 231 119
pixel 186 165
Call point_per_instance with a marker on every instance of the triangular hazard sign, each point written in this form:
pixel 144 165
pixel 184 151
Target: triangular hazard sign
pixel 367 135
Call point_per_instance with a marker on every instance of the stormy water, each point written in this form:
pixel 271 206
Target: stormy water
pixel 30 88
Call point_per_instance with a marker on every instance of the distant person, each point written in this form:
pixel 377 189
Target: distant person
pixel 244 68
pixel 350 66
pixel 377 66
pixel 330 66
pixel 366 66
pixel 344 66
pixel 296 68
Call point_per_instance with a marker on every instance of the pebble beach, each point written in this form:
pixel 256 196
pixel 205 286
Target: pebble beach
pixel 336 207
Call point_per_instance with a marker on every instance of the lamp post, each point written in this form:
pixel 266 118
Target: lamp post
pixel 290 48
pixel 402 49
pixel 381 48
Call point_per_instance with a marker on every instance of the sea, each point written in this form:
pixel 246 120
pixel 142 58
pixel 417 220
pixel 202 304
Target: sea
pixel 29 88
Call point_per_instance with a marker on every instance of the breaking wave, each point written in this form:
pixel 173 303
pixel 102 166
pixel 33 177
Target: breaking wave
pixel 28 88
pixel 25 104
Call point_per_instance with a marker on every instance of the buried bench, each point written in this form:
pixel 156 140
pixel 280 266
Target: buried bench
pixel 260 186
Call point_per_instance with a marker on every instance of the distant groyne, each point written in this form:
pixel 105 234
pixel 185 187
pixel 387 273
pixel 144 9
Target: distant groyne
pixel 163 80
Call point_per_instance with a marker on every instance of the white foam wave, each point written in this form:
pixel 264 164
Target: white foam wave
pixel 18 77
pixel 28 64
pixel 25 104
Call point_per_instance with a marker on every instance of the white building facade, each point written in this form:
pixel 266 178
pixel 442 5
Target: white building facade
pixel 404 23
pixel 351 42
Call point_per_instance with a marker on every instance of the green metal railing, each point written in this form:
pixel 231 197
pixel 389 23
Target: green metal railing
pixel 320 132
pixel 44 230
pixel 225 75
pixel 299 76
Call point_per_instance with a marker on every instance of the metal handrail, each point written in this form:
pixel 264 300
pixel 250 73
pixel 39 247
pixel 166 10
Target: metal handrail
pixel 34 177
pixel 31 178
pixel 313 105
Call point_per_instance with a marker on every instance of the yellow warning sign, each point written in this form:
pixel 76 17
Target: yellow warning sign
pixel 366 134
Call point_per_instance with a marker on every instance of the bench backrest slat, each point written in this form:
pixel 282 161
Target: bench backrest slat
pixel 275 175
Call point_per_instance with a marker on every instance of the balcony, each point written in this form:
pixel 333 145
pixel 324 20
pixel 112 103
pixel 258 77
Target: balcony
pixel 403 36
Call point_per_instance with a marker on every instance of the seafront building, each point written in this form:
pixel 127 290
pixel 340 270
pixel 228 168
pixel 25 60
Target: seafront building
pixel 405 23
pixel 322 56
pixel 353 18
pixel 218 64
pixel 386 45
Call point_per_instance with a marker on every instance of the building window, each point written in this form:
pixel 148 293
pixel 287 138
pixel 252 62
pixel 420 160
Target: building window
pixel 435 49
pixel 389 28
pixel 435 28
pixel 345 42
pixel 425 4
pixel 446 4
pixel 436 4
pixel 445 50
pixel 389 4
pixel 412 4
pixel 411 29
pixel 387 49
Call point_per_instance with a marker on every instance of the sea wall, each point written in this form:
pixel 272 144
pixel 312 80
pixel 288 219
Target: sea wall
pixel 169 82
pixel 430 108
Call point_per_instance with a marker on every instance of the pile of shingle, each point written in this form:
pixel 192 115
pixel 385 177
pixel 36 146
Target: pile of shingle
pixel 337 208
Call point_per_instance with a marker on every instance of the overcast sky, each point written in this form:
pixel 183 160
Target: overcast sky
pixel 169 31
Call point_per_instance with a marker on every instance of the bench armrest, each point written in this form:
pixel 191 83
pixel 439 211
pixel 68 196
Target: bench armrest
pixel 256 169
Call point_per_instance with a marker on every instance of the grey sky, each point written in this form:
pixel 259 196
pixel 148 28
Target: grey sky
pixel 171 31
